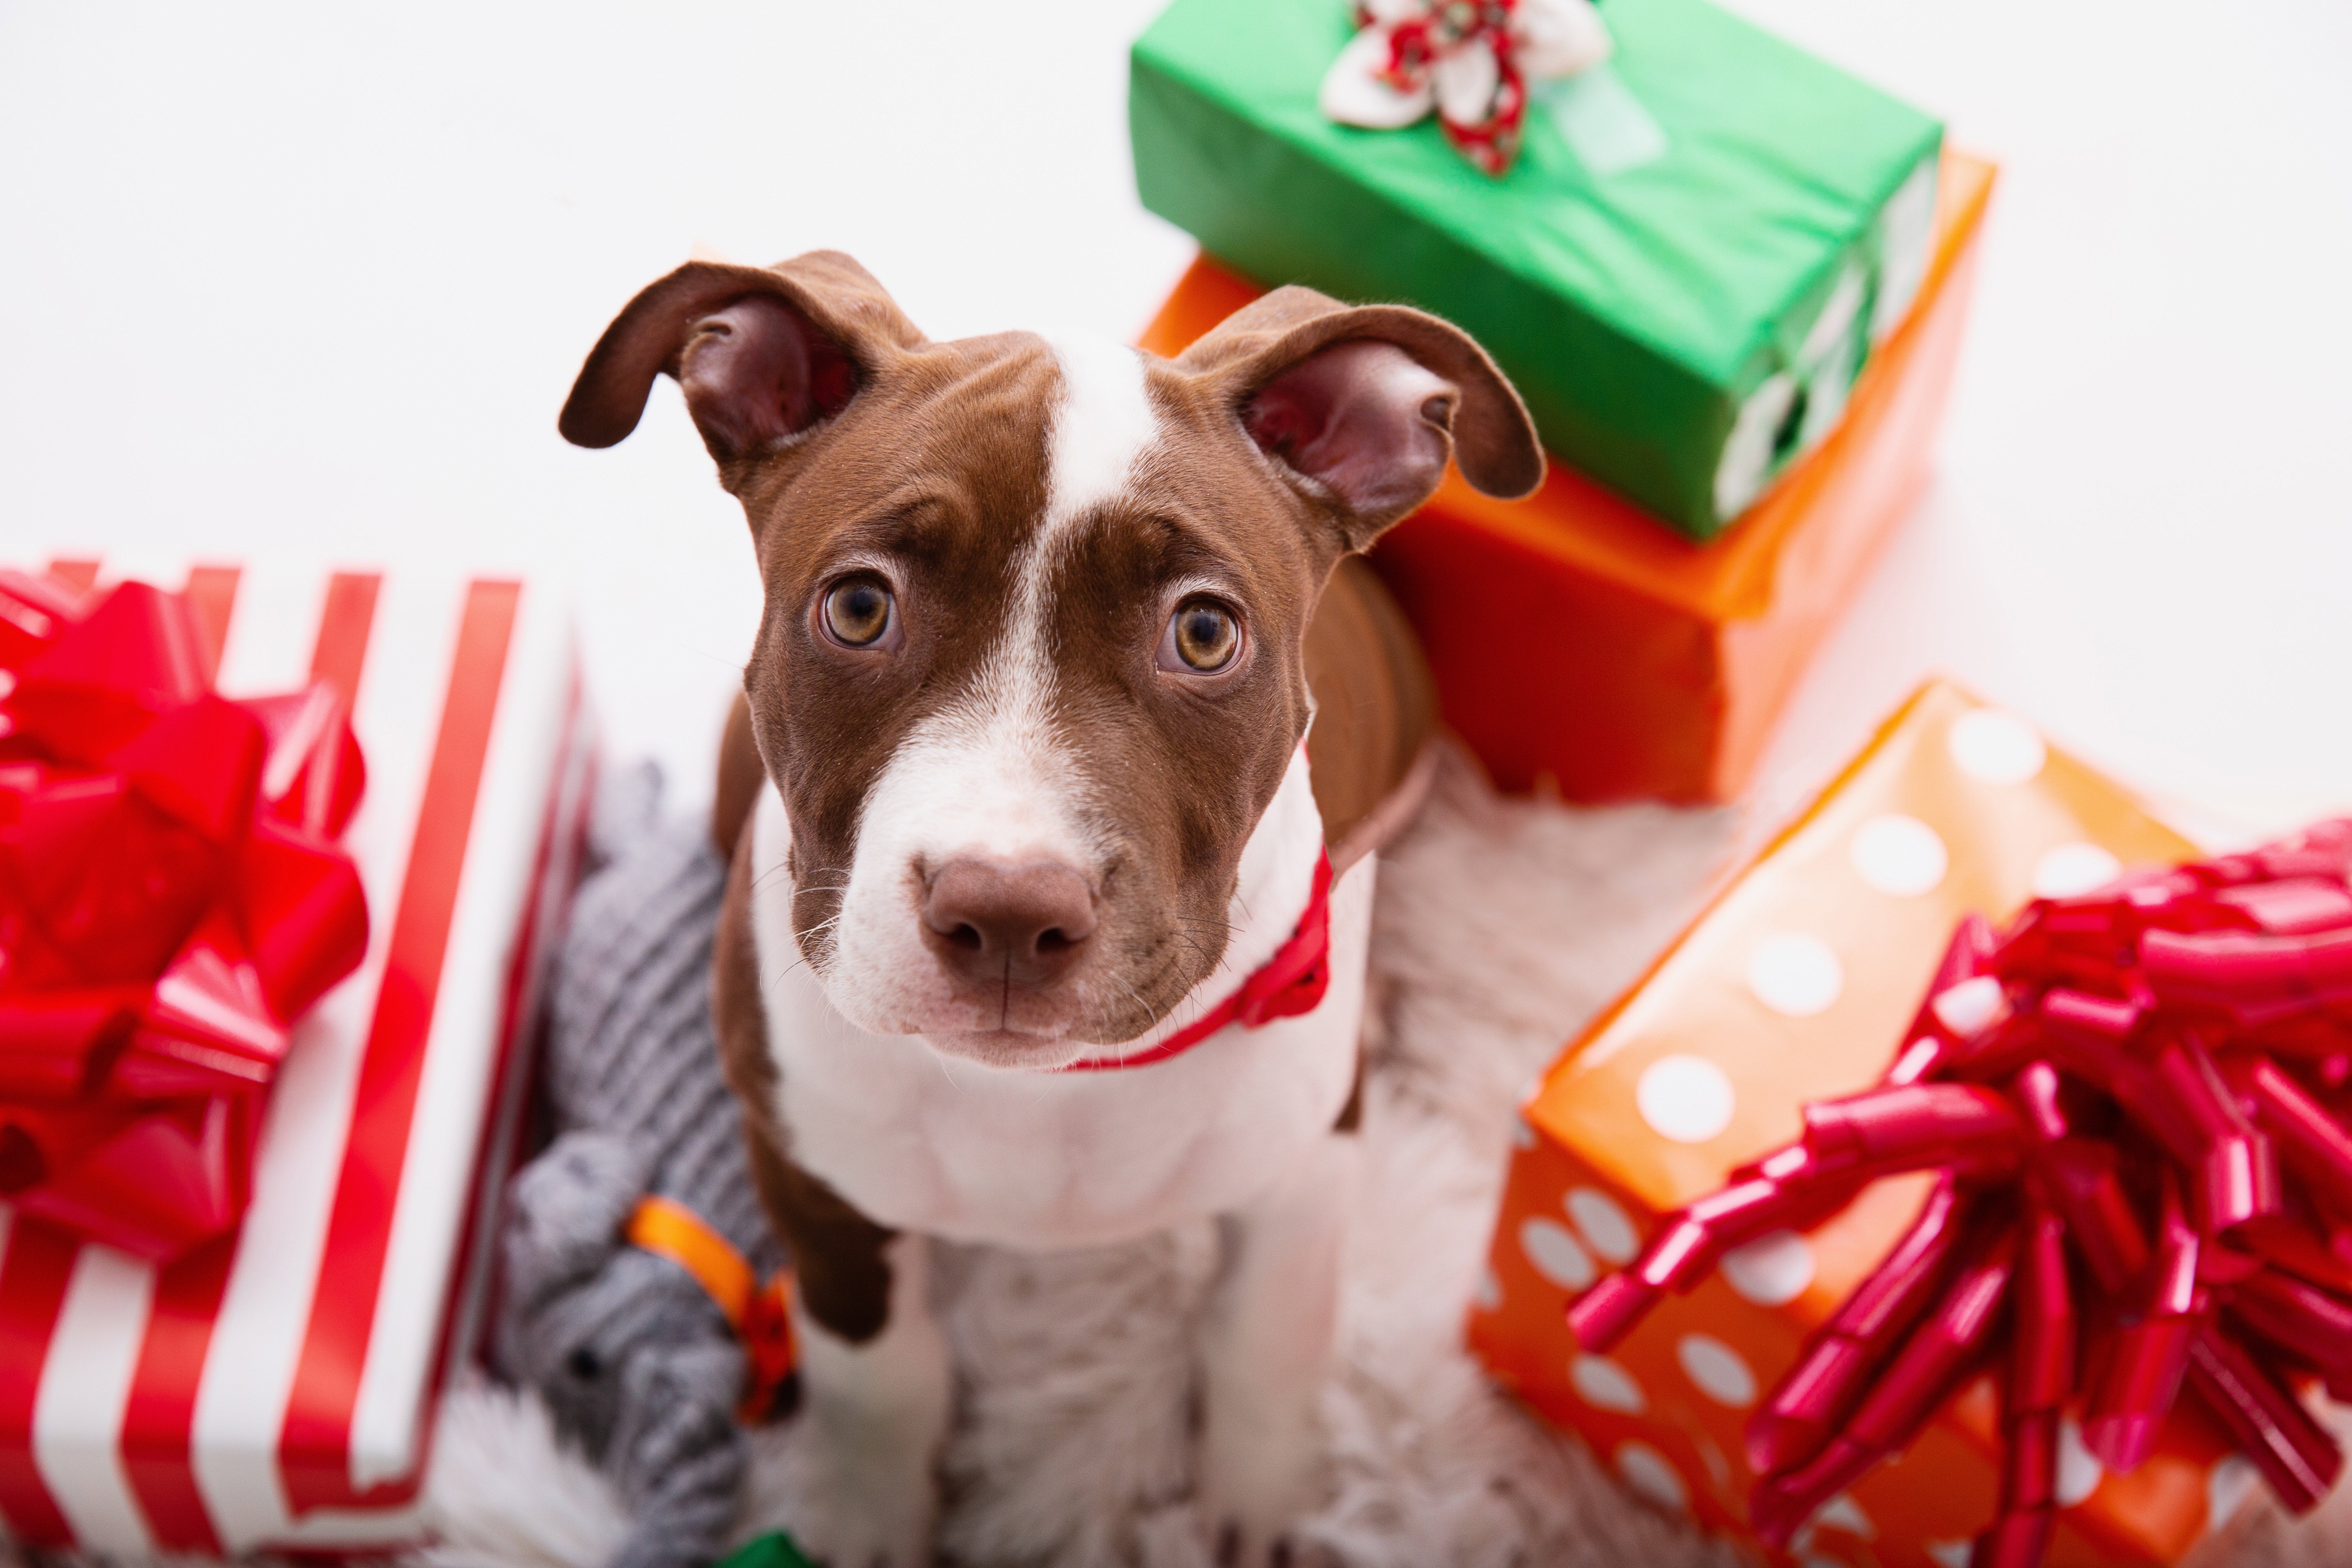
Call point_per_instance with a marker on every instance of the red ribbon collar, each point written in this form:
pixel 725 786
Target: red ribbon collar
pixel 1290 982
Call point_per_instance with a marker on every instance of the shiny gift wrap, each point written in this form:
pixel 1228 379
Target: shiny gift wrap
pixel 171 900
pixel 2034 1267
pixel 271 1387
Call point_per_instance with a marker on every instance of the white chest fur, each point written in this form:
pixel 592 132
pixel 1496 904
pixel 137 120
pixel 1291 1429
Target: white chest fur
pixel 1037 1160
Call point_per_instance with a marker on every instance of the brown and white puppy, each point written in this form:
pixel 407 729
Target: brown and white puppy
pixel 1046 621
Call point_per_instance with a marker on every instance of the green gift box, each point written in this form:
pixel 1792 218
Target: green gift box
pixel 1683 272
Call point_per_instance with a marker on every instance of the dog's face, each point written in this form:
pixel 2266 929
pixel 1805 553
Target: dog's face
pixel 1031 669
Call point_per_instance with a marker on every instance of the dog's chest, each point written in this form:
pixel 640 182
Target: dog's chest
pixel 1036 1160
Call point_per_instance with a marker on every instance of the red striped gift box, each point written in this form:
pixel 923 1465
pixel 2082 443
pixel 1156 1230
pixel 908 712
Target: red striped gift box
pixel 276 1388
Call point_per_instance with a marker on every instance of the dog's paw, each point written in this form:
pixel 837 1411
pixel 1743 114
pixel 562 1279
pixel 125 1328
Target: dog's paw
pixel 1233 1546
pixel 1258 1477
pixel 862 1504
pixel 847 1534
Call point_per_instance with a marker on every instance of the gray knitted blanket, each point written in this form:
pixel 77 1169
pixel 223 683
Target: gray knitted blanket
pixel 637 1365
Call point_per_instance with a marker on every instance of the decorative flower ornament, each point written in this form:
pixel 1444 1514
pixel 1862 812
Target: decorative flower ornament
pixel 1469 60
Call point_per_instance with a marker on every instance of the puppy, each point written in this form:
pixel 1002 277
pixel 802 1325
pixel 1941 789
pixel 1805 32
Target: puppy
pixel 1044 930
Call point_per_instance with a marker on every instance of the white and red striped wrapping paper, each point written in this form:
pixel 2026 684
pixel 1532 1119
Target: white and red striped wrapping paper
pixel 275 1389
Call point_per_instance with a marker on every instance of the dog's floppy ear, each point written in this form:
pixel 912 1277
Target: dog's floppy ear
pixel 763 352
pixel 1369 402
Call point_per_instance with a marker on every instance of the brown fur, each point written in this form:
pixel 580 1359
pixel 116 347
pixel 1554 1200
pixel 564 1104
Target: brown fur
pixel 1375 709
pixel 837 1264
pixel 855 444
pixel 937 467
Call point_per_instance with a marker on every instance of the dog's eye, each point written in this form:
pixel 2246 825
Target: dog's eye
pixel 857 612
pixel 1205 636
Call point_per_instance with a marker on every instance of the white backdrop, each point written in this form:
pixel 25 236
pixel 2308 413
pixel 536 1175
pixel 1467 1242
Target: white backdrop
pixel 315 280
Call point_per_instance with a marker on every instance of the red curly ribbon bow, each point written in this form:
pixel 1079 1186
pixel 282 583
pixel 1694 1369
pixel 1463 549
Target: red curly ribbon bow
pixel 1470 60
pixel 2136 1101
pixel 170 902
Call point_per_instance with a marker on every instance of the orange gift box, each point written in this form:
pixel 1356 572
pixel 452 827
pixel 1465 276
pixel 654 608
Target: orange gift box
pixel 1578 641
pixel 1799 984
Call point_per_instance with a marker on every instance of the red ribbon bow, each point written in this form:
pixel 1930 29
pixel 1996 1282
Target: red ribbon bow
pixel 1492 141
pixel 170 902
pixel 2137 1100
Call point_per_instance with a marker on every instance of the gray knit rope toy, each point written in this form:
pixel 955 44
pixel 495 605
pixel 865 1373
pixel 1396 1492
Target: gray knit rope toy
pixel 631 1356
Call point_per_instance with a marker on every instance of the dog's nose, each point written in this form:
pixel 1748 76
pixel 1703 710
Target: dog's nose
pixel 1000 921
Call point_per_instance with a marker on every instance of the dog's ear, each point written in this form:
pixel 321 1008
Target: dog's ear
pixel 1369 402
pixel 763 352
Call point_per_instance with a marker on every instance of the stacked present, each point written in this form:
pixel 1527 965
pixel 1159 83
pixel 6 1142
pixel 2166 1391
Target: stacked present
pixel 262 1007
pixel 2041 1268
pixel 1938 1243
pixel 1729 280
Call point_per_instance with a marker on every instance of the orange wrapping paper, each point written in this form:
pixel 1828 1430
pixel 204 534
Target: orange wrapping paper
pixel 1576 640
pixel 1797 985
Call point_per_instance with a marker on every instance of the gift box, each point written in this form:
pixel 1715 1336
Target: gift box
pixel 1578 646
pixel 273 1387
pixel 1682 270
pixel 1798 986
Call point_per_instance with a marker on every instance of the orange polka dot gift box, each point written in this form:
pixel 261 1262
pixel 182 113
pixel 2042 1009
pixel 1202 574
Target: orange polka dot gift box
pixel 1970 1184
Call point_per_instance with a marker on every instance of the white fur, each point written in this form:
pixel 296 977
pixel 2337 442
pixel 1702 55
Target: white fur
pixel 878 1105
pixel 1265 1344
pixel 987 775
pixel 1032 1159
pixel 876 1413
pixel 1238 1126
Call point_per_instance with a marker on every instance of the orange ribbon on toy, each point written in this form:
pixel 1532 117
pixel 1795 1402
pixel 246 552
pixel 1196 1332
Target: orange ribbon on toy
pixel 759 1313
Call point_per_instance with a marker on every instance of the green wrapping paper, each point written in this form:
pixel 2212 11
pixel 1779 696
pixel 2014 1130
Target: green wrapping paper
pixel 1683 272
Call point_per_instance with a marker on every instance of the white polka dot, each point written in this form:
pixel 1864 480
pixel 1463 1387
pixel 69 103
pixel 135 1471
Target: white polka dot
pixel 1815 1560
pixel 1604 1227
pixel 1686 1098
pixel 1995 748
pixel 1489 1294
pixel 1648 1472
pixel 2227 1488
pixel 1555 1254
pixel 1842 1512
pixel 1899 856
pixel 2074 869
pixel 1771 1270
pixel 2078 1469
pixel 1796 975
pixel 1523 1135
pixel 1969 1005
pixel 1949 1553
pixel 1603 1385
pixel 1717 1370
